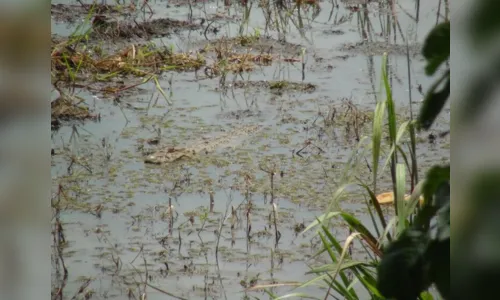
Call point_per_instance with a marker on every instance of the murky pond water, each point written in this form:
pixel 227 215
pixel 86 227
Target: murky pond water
pixel 124 220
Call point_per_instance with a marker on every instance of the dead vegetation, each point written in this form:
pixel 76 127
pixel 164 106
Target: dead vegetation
pixel 257 44
pixel 347 115
pixel 71 61
pixel 68 108
pixel 106 28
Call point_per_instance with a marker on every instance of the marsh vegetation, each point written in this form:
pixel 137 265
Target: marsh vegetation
pixel 132 78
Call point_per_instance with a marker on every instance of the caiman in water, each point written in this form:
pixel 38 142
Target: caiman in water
pixel 171 154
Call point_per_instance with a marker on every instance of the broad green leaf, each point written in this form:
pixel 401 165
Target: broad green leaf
pixel 426 296
pixel 485 21
pixel 439 257
pixel 479 94
pixel 443 214
pixel 436 176
pixel 434 102
pixel 403 273
pixel 436 48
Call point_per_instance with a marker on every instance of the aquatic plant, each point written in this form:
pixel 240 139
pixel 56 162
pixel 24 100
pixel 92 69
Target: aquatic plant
pixel 404 258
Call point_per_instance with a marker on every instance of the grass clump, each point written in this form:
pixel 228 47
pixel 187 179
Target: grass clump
pixel 68 61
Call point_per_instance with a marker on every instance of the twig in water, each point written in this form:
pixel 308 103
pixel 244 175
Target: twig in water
pixel 219 233
pixel 212 201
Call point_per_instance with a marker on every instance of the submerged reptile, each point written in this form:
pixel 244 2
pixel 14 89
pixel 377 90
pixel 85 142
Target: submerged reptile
pixel 170 154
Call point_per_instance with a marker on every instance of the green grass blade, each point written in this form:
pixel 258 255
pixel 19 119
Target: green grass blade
pixel 405 157
pixel 347 243
pixel 378 120
pixel 372 217
pixel 375 204
pixel 320 220
pixel 338 248
pixel 414 198
pixel 356 225
pixel 391 113
pixel 345 265
pixel 400 193
pixel 390 225
pixel 299 295
pixel 401 131
pixel 158 86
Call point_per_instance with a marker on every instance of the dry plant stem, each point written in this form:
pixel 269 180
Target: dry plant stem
pixel 438 12
pixel 139 253
pixel 413 150
pixel 146 276
pixel 82 289
pixel 417 4
pixel 165 292
pixel 170 208
pixel 249 222
pixel 277 234
pixel 60 239
pixel 219 233
pixel 180 242
pixel 212 201
pixel 233 223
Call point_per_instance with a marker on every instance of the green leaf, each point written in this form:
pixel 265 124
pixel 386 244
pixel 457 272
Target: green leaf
pixel 378 120
pixel 485 21
pixel 391 110
pixel 434 102
pixel 347 264
pixel 399 197
pixel 479 93
pixel 436 48
pixel 443 214
pixel 403 272
pixel 426 296
pixel 356 225
pixel 437 181
pixel 439 256
pixel 436 176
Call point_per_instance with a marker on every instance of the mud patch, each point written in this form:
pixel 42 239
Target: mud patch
pixel 240 114
pixel 105 28
pixel 378 48
pixel 277 86
pixel 257 44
